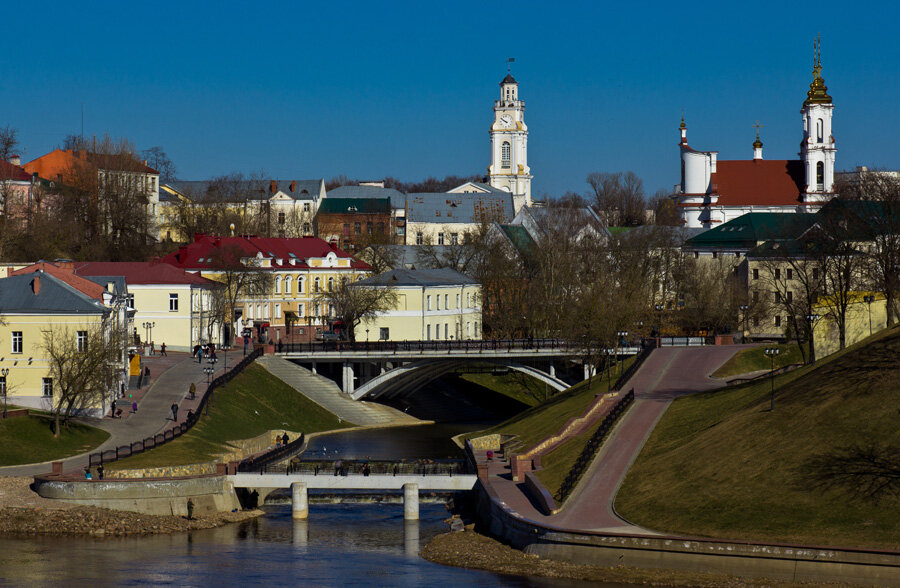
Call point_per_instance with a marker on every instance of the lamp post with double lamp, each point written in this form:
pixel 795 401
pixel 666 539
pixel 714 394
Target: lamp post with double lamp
pixel 209 372
pixel 148 330
pixel 743 308
pixel 811 321
pixel 620 336
pixel 869 300
pixel 659 309
pixel 773 352
pixel 4 372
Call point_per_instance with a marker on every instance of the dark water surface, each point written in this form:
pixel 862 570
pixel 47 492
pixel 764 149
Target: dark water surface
pixel 340 545
pixel 415 442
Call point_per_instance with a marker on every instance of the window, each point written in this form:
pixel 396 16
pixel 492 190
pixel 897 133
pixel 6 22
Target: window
pixel 505 154
pixel 454 238
pixel 346 229
pixel 47 387
pixel 756 274
pixel 299 285
pixel 468 330
pixel 278 285
pixel 250 311
pixel 81 338
pixel 456 330
pixel 428 302
pixel 457 301
pixel 715 254
pixel 306 207
pixel 476 329
pixel 790 296
pixel 331 284
pixel 277 310
pixel 2 385
pixel 384 334
pixel 357 229
pixel 287 285
pixel 440 238
pixel 419 238
pixel 446 331
pixel 815 273
pixel 428 332
pixel 317 285
pixel 777 296
pixel 307 228
pixel 17 341
pixel 446 301
pixel 281 218
pixel 820 175
pixel 820 130
pixel 777 274
pixel 401 231
pixel 173 302
pixel 368 228
pixel 777 321
pixel 300 310
pixel 790 274
pixel 438 301
pixel 129 300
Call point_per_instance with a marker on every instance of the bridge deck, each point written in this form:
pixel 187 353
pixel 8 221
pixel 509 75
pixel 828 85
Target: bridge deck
pixel 374 482
pixel 475 353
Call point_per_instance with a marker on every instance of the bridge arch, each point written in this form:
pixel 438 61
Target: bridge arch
pixel 412 375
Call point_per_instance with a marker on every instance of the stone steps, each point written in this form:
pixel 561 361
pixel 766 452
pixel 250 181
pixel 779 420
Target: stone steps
pixel 329 396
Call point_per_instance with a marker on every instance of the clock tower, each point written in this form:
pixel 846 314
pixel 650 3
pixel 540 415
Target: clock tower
pixel 509 169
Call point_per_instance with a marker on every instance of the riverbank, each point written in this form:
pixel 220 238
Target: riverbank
pixel 22 512
pixel 471 550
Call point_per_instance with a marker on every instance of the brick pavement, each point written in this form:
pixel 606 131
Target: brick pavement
pixel 669 372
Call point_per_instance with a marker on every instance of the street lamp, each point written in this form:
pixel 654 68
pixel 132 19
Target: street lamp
pixel 4 372
pixel 869 300
pixel 743 308
pixel 773 352
pixel 620 336
pixel 811 321
pixel 148 330
pixel 209 372
pixel 659 309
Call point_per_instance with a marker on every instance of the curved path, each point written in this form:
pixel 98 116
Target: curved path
pixel 669 372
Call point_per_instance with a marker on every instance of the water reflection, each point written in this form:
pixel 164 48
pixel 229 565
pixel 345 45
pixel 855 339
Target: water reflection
pixel 415 442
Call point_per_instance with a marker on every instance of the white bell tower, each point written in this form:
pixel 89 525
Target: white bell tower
pixel 509 169
pixel 817 149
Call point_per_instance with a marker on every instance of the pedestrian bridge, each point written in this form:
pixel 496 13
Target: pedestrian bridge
pixel 404 365
pixel 408 484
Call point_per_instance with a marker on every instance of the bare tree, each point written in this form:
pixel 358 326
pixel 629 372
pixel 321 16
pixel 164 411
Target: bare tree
pixel 157 159
pixel 354 303
pixel 619 196
pixel 9 142
pixel 84 366
pixel 238 281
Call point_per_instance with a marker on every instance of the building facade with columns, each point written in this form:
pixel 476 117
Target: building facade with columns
pixel 713 192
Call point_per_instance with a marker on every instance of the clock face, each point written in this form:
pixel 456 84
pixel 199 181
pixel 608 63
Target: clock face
pixel 506 121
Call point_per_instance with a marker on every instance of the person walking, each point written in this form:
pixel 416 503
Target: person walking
pixel 193 391
pixel 134 406
pixel 152 347
pixel 190 509
pixel 175 412
pixel 200 355
pixel 112 412
pixel 100 472
pixel 162 350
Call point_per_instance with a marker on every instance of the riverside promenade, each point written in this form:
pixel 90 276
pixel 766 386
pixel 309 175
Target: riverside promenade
pixel 668 373
pixel 170 380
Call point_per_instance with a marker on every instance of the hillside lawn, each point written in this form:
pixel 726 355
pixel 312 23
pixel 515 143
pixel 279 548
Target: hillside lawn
pixel 30 440
pixel 251 404
pixel 516 385
pixel 755 359
pixel 720 464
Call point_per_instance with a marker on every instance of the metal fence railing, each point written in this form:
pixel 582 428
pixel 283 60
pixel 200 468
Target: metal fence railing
pixel 648 346
pixel 472 345
pixel 590 450
pixel 177 430
pixel 260 463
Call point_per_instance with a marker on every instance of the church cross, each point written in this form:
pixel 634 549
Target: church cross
pixel 758 126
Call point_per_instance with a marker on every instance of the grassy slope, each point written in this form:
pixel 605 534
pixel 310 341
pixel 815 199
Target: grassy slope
pixel 30 440
pixel 751 360
pixel 516 385
pixel 249 405
pixel 547 418
pixel 720 464
pixel 556 464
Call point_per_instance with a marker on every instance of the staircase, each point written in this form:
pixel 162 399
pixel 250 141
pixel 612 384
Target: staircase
pixel 328 395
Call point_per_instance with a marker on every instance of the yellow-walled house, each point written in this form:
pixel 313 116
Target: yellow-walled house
pixel 301 271
pixel 170 305
pixel 866 315
pixel 34 303
pixel 431 305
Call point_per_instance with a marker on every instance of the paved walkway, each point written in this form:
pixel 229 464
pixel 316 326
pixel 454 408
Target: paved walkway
pixel 669 372
pixel 170 380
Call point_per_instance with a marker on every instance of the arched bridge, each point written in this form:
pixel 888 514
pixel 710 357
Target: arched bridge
pixel 386 368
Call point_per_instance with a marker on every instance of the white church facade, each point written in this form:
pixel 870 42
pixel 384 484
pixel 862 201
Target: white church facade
pixel 713 192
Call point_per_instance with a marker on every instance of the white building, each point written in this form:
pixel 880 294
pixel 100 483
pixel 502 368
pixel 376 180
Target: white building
pixel 509 169
pixel 712 192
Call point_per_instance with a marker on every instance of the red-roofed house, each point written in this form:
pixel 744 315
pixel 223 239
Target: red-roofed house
pixel 16 189
pixel 303 271
pixel 170 305
pixel 713 192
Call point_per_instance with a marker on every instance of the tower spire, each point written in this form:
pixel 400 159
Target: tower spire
pixel 757 144
pixel 818 91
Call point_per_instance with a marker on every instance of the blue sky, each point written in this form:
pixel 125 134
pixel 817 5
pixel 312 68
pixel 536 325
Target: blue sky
pixel 371 89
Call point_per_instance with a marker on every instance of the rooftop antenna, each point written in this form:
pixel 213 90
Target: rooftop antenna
pixel 82 119
pixel 509 62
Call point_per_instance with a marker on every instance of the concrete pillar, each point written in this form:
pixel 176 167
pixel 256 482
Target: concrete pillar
pixel 300 532
pixel 411 538
pixel 552 370
pixel 411 502
pixel 587 371
pixel 313 370
pixel 348 378
pixel 299 501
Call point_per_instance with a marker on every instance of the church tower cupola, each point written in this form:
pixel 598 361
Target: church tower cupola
pixel 757 144
pixel 817 150
pixel 509 169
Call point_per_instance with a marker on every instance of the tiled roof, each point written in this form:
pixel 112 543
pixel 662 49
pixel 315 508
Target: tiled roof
pixel 440 207
pixel 200 253
pixel 758 182
pixel 17 294
pixel 398 199
pixel 429 277
pixel 142 272
pixel 750 229
pixel 67 275
pixel 12 172
pixel 332 205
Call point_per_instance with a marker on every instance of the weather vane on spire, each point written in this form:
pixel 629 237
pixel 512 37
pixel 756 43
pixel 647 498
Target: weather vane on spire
pixel 509 62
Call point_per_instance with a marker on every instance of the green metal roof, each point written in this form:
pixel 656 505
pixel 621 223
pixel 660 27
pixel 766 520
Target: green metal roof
pixel 520 238
pixel 355 206
pixel 747 231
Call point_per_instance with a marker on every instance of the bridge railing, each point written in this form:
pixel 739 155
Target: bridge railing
pixel 176 430
pixel 273 456
pixel 465 345
pixel 360 467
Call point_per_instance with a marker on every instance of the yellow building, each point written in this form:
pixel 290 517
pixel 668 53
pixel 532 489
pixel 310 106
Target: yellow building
pixel 866 314
pixel 301 272
pixel 36 303
pixel 440 304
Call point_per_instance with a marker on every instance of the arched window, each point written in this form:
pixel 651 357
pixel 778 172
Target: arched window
pixel 331 284
pixel 278 285
pixel 820 130
pixel 820 175
pixel 317 286
pixel 504 154
pixel 287 285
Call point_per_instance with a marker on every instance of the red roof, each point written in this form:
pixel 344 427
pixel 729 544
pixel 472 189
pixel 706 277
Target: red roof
pixel 65 273
pixel 142 272
pixel 198 255
pixel 759 182
pixel 9 171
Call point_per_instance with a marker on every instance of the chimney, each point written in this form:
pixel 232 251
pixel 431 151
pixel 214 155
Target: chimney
pixel 293 186
pixel 273 186
pixel 36 285
pixel 15 160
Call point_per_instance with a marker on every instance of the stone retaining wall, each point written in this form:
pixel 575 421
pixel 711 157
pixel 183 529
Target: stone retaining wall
pixel 486 442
